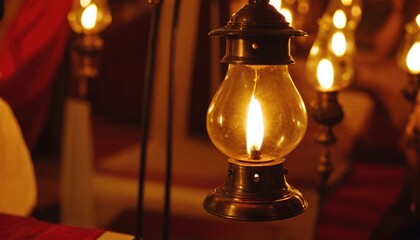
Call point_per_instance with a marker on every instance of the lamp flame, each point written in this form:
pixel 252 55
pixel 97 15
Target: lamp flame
pixel 413 58
pixel 339 19
pixel 89 17
pixel 254 127
pixel 339 44
pixel 325 73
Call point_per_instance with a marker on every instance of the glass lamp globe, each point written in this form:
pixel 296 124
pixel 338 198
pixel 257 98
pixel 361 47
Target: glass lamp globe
pixel 409 52
pixel 330 61
pixel 348 10
pixel 257 115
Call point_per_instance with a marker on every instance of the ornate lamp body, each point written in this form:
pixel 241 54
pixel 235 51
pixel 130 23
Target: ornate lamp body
pixel 256 118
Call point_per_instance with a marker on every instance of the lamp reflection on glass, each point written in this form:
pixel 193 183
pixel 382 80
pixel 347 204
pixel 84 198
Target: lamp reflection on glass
pixel 87 18
pixel 256 118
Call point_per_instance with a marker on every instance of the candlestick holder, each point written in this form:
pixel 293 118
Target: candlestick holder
pixel 86 50
pixel 412 141
pixel 411 89
pixel 409 60
pixel 327 111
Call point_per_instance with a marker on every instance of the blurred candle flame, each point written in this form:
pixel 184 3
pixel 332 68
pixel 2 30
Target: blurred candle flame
pixel 339 19
pixel 339 44
pixel 325 73
pixel 284 11
pixel 89 17
pixel 413 58
pixel 276 4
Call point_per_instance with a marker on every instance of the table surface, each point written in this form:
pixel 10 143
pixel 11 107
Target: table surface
pixel 22 228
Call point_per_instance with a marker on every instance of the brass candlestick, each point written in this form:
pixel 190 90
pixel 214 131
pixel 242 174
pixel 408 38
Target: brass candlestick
pixel 86 52
pixel 412 140
pixel 412 87
pixel 327 112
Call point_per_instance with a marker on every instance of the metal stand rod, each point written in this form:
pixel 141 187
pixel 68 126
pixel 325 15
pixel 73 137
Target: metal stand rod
pixel 169 137
pixel 327 112
pixel 324 168
pixel 145 117
pixel 412 140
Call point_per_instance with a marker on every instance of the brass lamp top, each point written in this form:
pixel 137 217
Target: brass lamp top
pixel 258 34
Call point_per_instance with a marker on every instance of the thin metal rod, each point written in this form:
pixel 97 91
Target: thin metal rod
pixel 145 117
pixel 324 170
pixel 1 9
pixel 169 136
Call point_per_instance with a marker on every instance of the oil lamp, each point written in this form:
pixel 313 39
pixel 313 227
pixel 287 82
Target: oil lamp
pixel 256 117
pixel 329 70
pixel 409 61
pixel 87 18
pixel 408 58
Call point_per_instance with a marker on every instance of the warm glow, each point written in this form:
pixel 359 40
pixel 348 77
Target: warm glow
pixel 418 20
pixel 325 73
pixel 413 58
pixel 276 4
pixel 339 44
pixel 356 11
pixel 254 127
pixel 284 11
pixel 85 3
pixel 346 2
pixel 303 7
pixel 287 14
pixel 340 19
pixel 89 17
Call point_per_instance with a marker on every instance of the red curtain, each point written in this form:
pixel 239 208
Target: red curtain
pixel 30 53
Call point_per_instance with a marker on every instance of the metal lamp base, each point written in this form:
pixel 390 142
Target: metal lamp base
pixel 255 192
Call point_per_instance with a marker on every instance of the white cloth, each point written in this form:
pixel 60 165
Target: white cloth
pixel 17 177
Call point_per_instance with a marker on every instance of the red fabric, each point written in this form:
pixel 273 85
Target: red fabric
pixel 29 56
pixel 356 207
pixel 20 228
